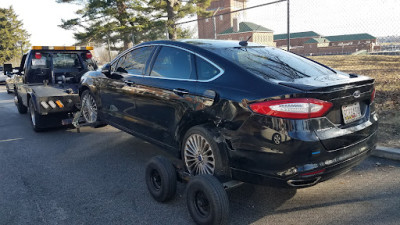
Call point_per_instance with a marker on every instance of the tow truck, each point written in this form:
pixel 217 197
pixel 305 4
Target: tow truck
pixel 49 87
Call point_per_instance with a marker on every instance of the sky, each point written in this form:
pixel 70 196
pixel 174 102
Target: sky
pixel 326 17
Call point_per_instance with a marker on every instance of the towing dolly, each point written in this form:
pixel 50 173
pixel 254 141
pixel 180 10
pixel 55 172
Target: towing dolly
pixel 206 196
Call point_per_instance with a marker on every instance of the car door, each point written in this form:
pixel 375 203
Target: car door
pixel 166 95
pixel 118 89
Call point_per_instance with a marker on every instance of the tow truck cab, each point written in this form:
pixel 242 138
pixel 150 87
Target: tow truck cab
pixel 49 83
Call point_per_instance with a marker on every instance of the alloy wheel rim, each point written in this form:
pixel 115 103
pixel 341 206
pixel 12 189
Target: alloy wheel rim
pixel 277 139
pixel 89 109
pixel 198 155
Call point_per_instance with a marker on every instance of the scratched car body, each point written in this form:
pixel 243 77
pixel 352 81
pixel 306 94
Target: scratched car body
pixel 240 111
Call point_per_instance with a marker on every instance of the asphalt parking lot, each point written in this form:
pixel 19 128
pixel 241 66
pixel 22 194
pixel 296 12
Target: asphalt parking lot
pixel 97 177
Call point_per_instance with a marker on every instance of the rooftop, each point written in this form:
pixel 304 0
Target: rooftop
pixel 247 27
pixel 296 35
pixel 350 37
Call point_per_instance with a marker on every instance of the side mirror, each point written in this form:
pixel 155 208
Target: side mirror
pixel 8 68
pixel 106 70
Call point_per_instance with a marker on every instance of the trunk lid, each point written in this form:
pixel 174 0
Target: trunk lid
pixel 346 92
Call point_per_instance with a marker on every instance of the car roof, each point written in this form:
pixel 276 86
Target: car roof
pixel 202 43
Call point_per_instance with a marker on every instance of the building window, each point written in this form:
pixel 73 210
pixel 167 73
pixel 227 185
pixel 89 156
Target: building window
pixel 221 17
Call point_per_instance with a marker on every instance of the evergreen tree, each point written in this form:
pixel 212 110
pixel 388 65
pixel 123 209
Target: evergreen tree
pixel 174 10
pixel 12 35
pixel 126 21
pixel 111 21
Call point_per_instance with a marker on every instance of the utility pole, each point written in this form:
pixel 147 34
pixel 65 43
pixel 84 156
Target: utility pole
pixel 288 25
pixel 214 23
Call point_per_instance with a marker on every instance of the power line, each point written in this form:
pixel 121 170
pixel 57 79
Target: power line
pixel 252 7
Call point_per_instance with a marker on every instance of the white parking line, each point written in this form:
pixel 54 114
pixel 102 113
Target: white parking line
pixel 7 101
pixel 15 139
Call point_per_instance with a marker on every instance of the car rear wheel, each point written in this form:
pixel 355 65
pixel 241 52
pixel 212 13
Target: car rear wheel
pixel 201 153
pixel 36 118
pixel 8 89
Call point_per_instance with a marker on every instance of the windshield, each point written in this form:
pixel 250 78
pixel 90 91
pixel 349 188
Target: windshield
pixel 273 63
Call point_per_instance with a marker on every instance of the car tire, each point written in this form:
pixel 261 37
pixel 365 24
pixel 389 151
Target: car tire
pixel 36 118
pixel 20 106
pixel 207 159
pixel 90 109
pixel 207 200
pixel 161 178
pixel 8 89
pixel 277 139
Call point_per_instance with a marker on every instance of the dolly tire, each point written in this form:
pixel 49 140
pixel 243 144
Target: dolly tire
pixel 207 200
pixel 161 178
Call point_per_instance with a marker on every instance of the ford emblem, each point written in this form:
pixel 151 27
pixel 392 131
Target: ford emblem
pixel 357 94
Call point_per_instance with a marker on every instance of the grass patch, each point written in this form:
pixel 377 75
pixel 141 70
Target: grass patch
pixel 386 72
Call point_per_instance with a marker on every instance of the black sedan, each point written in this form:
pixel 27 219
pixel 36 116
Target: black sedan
pixel 237 110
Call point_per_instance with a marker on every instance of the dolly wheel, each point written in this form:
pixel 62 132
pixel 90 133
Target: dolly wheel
pixel 161 178
pixel 207 200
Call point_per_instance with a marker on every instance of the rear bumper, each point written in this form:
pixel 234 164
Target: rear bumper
pixel 310 173
pixel 70 103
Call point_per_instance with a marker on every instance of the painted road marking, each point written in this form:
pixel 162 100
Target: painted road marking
pixel 14 139
pixel 6 101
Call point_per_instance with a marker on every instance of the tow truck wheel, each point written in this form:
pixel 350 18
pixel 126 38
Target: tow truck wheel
pixel 21 108
pixel 161 178
pixel 90 110
pixel 36 118
pixel 207 200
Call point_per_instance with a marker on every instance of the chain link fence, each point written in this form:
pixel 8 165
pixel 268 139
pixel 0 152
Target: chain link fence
pixel 358 36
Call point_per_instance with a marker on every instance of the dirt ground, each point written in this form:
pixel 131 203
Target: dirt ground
pixel 386 72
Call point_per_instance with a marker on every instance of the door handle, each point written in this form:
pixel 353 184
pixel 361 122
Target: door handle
pixel 129 83
pixel 179 91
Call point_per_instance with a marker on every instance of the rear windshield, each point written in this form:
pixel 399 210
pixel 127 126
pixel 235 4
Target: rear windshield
pixel 63 61
pixel 273 63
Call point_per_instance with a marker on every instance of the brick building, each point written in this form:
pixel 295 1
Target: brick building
pixel 229 27
pixel 339 45
pixel 297 40
pixel 222 22
pixel 311 43
pixel 248 31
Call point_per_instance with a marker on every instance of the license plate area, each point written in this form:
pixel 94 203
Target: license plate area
pixel 351 112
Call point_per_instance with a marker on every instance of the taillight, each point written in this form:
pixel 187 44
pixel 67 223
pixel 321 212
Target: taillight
pixel 373 95
pixel 88 55
pixel 294 108
pixel 38 55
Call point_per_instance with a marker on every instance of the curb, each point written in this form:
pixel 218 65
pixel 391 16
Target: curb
pixel 387 153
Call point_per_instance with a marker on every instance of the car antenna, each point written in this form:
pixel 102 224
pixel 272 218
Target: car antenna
pixel 245 43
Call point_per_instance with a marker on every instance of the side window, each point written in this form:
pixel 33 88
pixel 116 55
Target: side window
pixel 205 70
pixel 173 63
pixel 134 62
pixel 114 66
